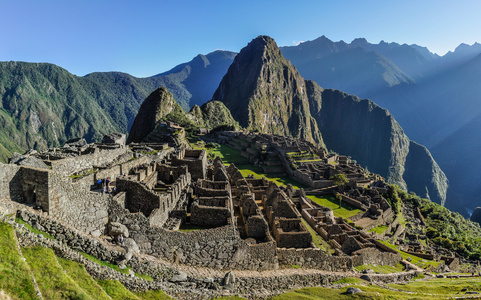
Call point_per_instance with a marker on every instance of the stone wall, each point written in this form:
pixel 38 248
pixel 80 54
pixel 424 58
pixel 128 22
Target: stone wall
pixel 220 248
pixel 72 165
pixel 85 210
pixel 314 258
pixel 35 186
pixel 10 182
pixel 371 256
pixel 209 215
pixel 195 160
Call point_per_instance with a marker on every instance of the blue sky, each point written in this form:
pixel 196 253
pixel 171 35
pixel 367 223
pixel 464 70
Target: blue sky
pixel 144 38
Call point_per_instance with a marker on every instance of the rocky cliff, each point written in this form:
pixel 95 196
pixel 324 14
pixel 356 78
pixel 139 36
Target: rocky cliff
pixel 266 93
pixel 159 104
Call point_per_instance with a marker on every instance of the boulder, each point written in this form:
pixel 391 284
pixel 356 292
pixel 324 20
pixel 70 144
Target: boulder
pixel 181 277
pixel 366 277
pixel 114 138
pixel 116 229
pixel 352 290
pixel 229 279
pixel 131 245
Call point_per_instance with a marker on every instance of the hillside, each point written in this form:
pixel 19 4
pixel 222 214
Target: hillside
pixel 266 93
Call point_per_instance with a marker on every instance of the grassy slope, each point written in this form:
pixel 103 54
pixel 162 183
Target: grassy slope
pixel 52 281
pixel 83 279
pixel 116 290
pixel 15 278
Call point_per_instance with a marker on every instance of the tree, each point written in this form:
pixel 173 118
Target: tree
pixel 340 180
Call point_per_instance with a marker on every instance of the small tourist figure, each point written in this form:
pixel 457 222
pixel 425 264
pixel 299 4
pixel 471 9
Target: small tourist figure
pixel 121 240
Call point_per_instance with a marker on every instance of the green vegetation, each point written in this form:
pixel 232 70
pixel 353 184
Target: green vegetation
pixel 189 228
pixel 116 290
pixel 249 169
pixel 382 269
pixel 420 262
pixel 51 280
pixel 379 229
pixel 351 280
pixel 15 277
pixel 446 228
pixel 34 230
pixel 77 272
pixel 226 153
pixel 104 263
pixel 441 286
pixel 344 211
pixel 316 239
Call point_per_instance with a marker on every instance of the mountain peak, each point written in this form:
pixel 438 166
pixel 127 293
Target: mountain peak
pixel 265 92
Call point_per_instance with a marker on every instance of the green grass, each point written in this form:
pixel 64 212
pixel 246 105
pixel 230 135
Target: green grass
pixel 429 289
pixel 379 229
pixel 51 280
pixel 189 228
pixel 226 153
pixel 382 269
pixel 316 239
pixel 351 280
pixel 153 295
pixel 116 290
pixel 77 271
pixel 34 230
pixel 230 298
pixel 330 201
pixel 296 266
pixel 441 286
pixel 15 278
pixel 104 263
pixel 249 169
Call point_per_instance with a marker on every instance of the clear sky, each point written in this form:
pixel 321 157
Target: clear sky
pixel 144 38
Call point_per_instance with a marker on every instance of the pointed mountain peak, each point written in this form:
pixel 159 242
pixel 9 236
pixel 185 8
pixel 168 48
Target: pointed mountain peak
pixel 156 106
pixel 263 91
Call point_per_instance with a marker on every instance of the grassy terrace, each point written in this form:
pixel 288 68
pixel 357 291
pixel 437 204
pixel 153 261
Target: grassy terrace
pixel 316 239
pixel 382 269
pixel 344 211
pixel 430 289
pixel 379 229
pixel 15 278
pixel 420 262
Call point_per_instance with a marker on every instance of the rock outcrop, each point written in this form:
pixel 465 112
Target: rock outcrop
pixel 158 105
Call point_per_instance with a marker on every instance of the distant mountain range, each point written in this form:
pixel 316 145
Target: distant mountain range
pixel 434 98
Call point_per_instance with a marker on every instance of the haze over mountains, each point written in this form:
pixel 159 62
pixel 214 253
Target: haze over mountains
pixel 435 99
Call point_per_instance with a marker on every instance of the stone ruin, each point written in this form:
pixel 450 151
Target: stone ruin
pixel 249 223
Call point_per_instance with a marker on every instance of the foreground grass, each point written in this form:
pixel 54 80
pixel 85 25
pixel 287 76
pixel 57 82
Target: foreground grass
pixel 441 286
pixel 373 292
pixel 83 279
pixel 116 290
pixel 15 279
pixel 345 211
pixel 51 280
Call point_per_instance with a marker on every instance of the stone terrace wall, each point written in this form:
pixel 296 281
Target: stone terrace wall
pixel 220 248
pixel 314 258
pixel 375 257
pixel 38 178
pixel 71 165
pixel 87 211
pixel 10 182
